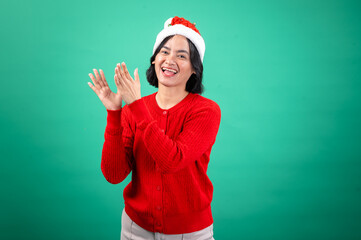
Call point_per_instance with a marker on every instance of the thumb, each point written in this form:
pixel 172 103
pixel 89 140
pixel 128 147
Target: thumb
pixel 136 75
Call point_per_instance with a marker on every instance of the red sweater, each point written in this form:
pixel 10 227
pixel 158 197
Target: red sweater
pixel 167 152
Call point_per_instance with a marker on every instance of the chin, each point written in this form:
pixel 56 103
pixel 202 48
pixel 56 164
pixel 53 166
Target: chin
pixel 166 84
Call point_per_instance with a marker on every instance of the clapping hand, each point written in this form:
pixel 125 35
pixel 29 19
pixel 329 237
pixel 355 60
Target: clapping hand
pixel 111 100
pixel 127 88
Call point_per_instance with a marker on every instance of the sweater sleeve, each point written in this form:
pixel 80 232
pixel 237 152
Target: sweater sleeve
pixel 117 154
pixel 198 135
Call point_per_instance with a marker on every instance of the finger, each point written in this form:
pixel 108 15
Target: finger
pixel 118 71
pixel 136 75
pixel 126 72
pixel 94 80
pixel 122 73
pixel 94 88
pixel 119 77
pixel 118 80
pixel 117 84
pixel 103 77
pixel 124 81
pixel 98 77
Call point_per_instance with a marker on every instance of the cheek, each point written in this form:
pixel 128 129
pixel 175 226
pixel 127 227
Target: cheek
pixel 188 68
pixel 158 63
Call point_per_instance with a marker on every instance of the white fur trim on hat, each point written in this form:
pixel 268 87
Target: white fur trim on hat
pixel 180 29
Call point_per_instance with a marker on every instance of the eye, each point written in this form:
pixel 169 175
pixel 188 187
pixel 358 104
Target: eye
pixel 182 56
pixel 164 51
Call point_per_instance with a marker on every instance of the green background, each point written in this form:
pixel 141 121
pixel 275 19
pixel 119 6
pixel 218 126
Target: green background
pixel 286 74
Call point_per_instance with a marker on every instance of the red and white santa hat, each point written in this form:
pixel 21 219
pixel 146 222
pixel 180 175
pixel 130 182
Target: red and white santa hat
pixel 182 27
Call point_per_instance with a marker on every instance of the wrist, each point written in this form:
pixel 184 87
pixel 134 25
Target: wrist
pixel 113 118
pixel 133 100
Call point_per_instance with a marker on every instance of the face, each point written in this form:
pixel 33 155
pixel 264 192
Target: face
pixel 172 64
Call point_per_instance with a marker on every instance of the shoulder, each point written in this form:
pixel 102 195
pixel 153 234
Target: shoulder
pixel 203 109
pixel 201 103
pixel 149 97
pixel 147 100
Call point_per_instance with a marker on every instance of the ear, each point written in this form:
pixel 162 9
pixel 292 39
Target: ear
pixel 153 62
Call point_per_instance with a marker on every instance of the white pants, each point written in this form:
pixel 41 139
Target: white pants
pixel 132 231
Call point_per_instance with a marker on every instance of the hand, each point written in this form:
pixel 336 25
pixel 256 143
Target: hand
pixel 111 101
pixel 129 88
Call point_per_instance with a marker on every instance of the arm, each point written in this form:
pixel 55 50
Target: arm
pixel 198 136
pixel 117 149
pixel 117 154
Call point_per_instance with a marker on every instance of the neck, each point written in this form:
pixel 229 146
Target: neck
pixel 169 97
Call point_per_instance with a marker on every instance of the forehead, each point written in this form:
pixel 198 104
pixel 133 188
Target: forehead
pixel 177 42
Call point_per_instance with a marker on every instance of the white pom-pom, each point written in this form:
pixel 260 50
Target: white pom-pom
pixel 169 21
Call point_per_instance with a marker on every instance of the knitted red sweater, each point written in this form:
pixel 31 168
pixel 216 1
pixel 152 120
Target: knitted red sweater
pixel 167 152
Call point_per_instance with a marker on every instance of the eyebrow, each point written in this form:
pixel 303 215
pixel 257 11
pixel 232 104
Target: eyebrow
pixel 185 51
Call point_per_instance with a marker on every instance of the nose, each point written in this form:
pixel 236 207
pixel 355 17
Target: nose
pixel 170 58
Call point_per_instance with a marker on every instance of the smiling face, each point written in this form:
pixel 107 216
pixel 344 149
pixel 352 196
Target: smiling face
pixel 172 64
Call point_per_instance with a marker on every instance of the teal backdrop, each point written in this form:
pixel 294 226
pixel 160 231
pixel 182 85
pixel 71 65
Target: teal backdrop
pixel 286 74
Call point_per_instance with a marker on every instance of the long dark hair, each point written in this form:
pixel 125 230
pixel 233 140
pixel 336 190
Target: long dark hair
pixel 194 83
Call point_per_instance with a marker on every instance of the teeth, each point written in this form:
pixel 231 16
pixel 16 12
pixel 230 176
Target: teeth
pixel 170 70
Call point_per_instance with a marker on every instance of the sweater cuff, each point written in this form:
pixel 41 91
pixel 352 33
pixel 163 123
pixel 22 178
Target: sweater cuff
pixel 113 118
pixel 140 112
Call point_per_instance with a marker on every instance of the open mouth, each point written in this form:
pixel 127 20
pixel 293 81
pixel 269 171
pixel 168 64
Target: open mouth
pixel 169 71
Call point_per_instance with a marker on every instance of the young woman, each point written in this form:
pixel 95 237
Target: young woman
pixel 164 139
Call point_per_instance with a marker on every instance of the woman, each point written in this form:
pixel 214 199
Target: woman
pixel 164 139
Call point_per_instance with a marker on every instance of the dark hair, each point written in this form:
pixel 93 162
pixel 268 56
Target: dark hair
pixel 194 83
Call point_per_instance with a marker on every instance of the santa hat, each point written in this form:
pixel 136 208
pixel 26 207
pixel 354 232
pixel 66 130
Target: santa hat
pixel 182 27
